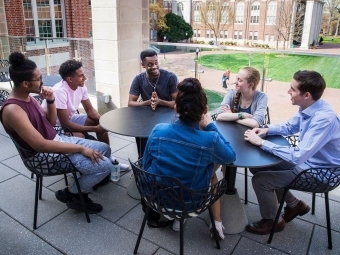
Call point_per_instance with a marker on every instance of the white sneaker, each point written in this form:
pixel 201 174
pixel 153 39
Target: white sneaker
pixel 124 167
pixel 177 224
pixel 219 228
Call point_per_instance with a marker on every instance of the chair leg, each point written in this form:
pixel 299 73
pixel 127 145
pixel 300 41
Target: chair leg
pixel 328 219
pixel 214 228
pixel 66 181
pixel 277 216
pixel 82 198
pixel 141 229
pixel 181 236
pixel 40 187
pixel 313 203
pixel 246 185
pixel 37 185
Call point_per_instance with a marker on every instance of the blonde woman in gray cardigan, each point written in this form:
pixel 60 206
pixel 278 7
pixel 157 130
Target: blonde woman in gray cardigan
pixel 244 104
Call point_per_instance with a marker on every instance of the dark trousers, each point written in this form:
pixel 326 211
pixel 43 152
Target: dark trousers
pixel 141 144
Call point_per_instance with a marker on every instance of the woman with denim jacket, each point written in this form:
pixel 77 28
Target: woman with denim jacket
pixel 195 134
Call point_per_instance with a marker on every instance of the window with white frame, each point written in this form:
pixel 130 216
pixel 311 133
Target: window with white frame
pixel 225 34
pixel 180 7
pixel 210 34
pixel 250 36
pixel 221 34
pixel 167 4
pixel 255 13
pixel 198 33
pixel 239 12
pixel 240 33
pixel 266 38
pixel 271 13
pixel 225 13
pixel 197 17
pixel 236 34
pixel 271 38
pixel 44 18
pixel 195 33
pixel 256 34
pixel 197 12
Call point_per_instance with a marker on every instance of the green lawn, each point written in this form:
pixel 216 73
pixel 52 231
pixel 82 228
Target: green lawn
pixel 214 99
pixel 330 39
pixel 279 67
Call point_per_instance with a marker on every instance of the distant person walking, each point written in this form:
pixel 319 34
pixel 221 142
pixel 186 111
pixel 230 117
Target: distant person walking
pixel 225 78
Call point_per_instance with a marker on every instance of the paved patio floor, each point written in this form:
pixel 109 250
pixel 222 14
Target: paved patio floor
pixel 114 230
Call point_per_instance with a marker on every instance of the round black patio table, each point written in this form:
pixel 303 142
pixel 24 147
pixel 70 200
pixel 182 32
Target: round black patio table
pixel 247 155
pixel 136 121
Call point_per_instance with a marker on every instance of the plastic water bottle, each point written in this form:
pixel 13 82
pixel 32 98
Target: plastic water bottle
pixel 115 171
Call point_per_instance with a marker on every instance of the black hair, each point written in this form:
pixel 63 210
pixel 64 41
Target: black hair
pixel 310 81
pixel 20 69
pixel 147 53
pixel 69 68
pixel 191 101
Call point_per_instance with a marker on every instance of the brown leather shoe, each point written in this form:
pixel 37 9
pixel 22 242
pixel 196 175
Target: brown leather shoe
pixel 263 227
pixel 300 209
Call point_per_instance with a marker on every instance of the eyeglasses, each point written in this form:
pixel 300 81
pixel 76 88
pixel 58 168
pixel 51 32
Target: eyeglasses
pixel 40 79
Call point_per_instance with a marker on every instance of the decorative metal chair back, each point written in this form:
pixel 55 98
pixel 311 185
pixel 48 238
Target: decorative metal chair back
pixel 3 96
pixel 45 164
pixel 168 196
pixel 293 140
pixel 267 117
pixel 4 73
pixel 317 180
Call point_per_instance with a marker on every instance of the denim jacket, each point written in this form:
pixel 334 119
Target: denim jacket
pixel 186 152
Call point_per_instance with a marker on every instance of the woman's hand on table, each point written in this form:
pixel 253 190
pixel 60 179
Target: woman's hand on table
pixel 252 136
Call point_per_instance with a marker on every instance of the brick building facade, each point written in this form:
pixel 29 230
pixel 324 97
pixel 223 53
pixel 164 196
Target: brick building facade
pixel 255 21
pixel 50 32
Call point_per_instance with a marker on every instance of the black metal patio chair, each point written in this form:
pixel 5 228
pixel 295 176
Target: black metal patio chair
pixel 315 180
pixel 3 96
pixel 48 164
pixel 169 197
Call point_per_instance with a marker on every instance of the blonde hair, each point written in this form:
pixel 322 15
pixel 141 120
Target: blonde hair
pixel 253 75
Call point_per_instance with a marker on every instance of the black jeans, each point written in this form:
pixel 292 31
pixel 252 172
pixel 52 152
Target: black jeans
pixel 141 144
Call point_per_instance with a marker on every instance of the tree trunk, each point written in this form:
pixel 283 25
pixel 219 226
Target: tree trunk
pixel 329 25
pixel 337 27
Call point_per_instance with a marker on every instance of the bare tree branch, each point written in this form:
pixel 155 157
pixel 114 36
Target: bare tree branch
pixel 290 19
pixel 216 15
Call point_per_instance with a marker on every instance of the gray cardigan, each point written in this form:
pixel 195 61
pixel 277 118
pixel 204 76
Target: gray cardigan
pixel 258 106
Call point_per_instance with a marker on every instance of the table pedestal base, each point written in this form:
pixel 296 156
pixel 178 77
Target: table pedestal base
pixel 233 216
pixel 132 188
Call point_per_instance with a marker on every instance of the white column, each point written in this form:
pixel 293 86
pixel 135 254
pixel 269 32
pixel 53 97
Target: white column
pixel 119 28
pixel 307 36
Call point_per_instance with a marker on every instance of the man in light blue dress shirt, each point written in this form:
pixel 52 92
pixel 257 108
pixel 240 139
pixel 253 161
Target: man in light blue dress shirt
pixel 318 126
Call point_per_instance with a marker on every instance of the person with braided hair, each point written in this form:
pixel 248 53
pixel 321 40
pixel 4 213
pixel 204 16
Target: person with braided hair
pixel 193 132
pixel 244 104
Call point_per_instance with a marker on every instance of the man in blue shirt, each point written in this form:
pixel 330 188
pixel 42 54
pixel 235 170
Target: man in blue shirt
pixel 318 146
